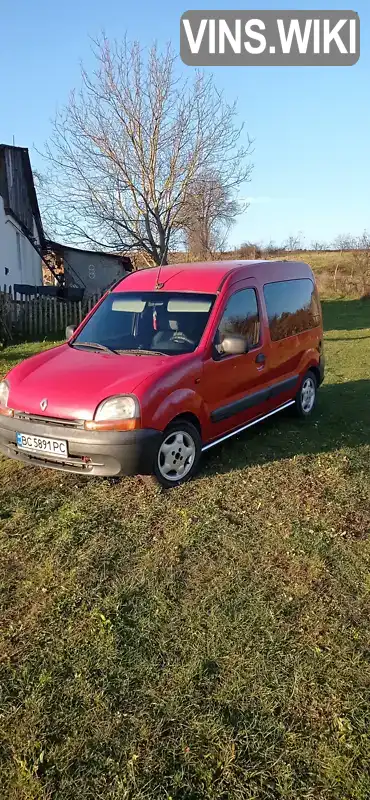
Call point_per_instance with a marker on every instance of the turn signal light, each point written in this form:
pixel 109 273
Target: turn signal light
pixel 6 412
pixel 112 425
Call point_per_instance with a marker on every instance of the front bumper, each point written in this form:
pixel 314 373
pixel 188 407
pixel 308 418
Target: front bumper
pixel 96 453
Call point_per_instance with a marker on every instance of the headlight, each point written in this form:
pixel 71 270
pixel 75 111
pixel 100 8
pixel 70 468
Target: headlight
pixel 121 413
pixel 121 407
pixel 4 393
pixel 4 397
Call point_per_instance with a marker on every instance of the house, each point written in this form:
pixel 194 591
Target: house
pixel 27 260
pixel 90 270
pixel 21 232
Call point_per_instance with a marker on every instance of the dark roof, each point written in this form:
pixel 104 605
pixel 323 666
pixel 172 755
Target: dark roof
pixel 27 169
pixel 57 247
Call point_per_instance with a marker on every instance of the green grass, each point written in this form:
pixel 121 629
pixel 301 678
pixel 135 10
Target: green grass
pixel 212 642
pixel 17 352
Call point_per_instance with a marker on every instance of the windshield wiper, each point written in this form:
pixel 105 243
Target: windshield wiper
pixel 139 351
pixel 95 346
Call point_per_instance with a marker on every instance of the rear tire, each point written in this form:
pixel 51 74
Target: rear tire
pixel 178 454
pixel 305 399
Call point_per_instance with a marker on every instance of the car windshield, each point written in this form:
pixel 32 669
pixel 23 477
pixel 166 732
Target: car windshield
pixel 149 322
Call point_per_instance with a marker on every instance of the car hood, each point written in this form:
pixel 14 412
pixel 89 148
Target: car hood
pixel 75 381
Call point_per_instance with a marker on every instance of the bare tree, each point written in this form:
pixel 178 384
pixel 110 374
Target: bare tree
pixel 273 249
pixel 128 147
pixel 318 246
pixel 355 262
pixel 361 269
pixel 294 242
pixel 345 241
pixel 209 211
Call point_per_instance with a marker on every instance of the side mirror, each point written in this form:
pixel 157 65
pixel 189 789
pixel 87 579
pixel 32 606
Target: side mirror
pixel 234 345
pixel 70 329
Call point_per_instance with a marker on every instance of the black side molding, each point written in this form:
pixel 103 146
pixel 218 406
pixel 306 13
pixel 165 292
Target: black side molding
pixel 283 386
pixel 254 399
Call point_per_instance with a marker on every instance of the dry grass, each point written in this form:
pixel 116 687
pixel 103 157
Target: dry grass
pixel 338 273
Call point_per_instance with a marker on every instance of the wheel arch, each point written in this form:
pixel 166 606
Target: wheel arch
pixel 182 403
pixel 316 371
pixel 188 416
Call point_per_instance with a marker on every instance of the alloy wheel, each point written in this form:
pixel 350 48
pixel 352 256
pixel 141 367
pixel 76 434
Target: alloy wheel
pixel 176 455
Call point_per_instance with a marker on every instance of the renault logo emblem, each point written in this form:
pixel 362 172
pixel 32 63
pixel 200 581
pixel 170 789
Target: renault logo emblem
pixel 44 404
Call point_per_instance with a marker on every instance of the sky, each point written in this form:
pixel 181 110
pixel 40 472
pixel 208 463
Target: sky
pixel 310 125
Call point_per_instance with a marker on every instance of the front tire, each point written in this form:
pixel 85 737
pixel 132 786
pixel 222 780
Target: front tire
pixel 305 399
pixel 178 454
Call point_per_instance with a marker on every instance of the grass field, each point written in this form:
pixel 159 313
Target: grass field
pixel 339 274
pixel 212 642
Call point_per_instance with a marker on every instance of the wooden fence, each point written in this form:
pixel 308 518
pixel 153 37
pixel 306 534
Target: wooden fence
pixel 42 316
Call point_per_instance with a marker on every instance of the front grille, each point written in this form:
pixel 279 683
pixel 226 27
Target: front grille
pixel 77 463
pixel 61 423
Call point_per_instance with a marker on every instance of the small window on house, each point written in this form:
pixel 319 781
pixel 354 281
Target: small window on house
pixel 292 307
pixel 240 318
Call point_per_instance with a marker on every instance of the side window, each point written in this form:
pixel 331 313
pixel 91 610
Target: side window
pixel 240 318
pixel 292 307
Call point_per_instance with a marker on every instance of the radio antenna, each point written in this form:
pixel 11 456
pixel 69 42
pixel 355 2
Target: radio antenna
pixel 159 285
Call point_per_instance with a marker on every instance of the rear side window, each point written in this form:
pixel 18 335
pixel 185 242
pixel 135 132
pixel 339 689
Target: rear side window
pixel 292 307
pixel 241 318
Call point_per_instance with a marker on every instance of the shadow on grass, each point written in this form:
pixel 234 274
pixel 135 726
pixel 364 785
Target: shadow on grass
pixel 341 419
pixel 344 315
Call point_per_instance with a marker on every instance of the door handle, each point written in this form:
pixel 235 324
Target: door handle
pixel 261 358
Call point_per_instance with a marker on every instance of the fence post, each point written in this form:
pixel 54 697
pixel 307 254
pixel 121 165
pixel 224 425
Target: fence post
pixel 24 314
pixel 53 314
pixel 60 324
pixel 34 319
pixel 47 315
pixel 39 315
pixel 44 325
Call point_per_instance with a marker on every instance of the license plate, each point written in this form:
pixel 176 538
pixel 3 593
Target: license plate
pixel 40 444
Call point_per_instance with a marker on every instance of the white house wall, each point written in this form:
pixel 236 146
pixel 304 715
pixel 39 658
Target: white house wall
pixel 19 261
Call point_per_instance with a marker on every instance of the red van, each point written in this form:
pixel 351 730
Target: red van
pixel 168 364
